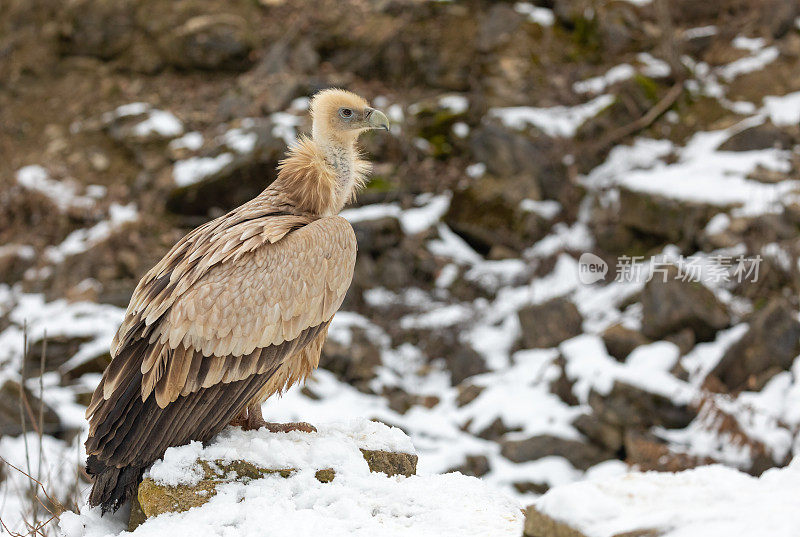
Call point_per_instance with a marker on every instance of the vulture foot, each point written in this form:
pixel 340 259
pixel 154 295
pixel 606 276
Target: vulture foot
pixel 250 419
pixel 292 426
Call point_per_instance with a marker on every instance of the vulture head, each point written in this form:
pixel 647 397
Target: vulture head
pixel 339 114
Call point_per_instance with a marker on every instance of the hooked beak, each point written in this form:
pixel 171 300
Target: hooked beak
pixel 377 119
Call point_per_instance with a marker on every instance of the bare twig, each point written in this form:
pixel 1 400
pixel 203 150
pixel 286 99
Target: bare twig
pixel 34 529
pixel 41 416
pixel 23 399
pixel 57 507
pixel 646 120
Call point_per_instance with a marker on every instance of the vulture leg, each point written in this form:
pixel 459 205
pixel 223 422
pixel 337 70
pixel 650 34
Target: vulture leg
pixel 256 421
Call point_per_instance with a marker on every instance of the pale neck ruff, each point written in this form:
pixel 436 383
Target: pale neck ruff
pixel 341 157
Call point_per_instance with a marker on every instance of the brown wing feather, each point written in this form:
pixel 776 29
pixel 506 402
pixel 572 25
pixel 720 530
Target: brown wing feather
pixel 246 302
pixel 137 432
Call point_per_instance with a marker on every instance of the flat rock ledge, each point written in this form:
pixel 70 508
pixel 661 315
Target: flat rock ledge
pixel 155 499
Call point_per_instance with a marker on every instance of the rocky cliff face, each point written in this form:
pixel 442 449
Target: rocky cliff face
pixel 661 137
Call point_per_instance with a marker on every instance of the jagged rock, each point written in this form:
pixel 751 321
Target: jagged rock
pixel 434 122
pixel 775 278
pixel 780 16
pixel 505 153
pixel 354 362
pixel 537 524
pixel 580 454
pixel 508 154
pixel 616 29
pixel 461 359
pixel 464 362
pixel 694 13
pixel 621 341
pixel 764 136
pixel 31 218
pixel 663 219
pixel 498 27
pixel 488 213
pixel 600 432
pixel 409 264
pixel 562 385
pixel 391 463
pixel 132 129
pixel 684 340
pixel 56 350
pixel 633 98
pixel 213 42
pixel 524 487
pixel 97 364
pixel 401 401
pixel 101 28
pixel 629 407
pixel 495 430
pixel 572 12
pixel 649 453
pixel 154 499
pixel 548 324
pixel 474 465
pixel 770 345
pixel 10 421
pixel 467 393
pixel 673 305
pixel 379 235
pixel 15 259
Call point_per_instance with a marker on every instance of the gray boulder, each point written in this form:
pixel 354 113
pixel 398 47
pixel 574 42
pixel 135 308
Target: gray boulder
pixel 769 346
pixel 548 324
pixel 673 305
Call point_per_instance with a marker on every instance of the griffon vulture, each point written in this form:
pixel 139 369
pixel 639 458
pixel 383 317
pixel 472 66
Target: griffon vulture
pixel 236 311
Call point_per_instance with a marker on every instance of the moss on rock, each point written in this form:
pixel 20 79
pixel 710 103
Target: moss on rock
pixel 154 499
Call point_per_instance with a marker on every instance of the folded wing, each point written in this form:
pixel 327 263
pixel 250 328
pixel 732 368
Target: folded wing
pixel 204 333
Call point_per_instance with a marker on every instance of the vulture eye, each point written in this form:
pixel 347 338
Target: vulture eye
pixel 346 113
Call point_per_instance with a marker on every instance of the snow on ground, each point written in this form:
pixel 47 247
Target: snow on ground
pixel 597 84
pixel 97 323
pixel 536 14
pixel 195 169
pixel 724 174
pixel 712 501
pixel 427 212
pixel 154 122
pixel 356 502
pixel 191 141
pixel 64 194
pixel 783 110
pixel 81 240
pixel 54 463
pixel 562 121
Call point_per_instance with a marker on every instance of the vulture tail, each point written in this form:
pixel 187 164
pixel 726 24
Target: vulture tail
pixel 112 486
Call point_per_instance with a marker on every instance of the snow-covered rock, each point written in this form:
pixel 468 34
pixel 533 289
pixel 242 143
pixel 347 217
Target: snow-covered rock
pixel 712 501
pixel 303 484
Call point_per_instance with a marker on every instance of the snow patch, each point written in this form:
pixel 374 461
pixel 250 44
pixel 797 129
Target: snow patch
pixel 193 170
pixel 556 121
pixel 713 501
